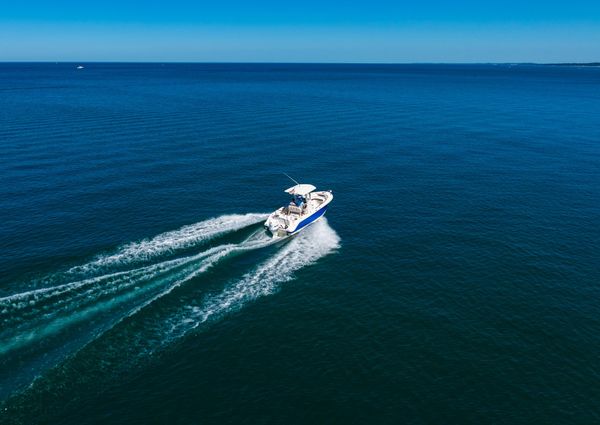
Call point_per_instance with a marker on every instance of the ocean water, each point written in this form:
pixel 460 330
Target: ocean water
pixel 455 280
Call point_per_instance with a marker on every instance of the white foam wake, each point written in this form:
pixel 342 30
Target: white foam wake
pixel 169 242
pixel 304 249
pixel 65 312
pixel 33 315
pixel 123 337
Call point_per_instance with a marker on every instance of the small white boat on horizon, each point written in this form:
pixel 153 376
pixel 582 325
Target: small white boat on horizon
pixel 80 67
pixel 306 207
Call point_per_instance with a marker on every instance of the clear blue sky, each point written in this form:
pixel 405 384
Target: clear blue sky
pixel 301 31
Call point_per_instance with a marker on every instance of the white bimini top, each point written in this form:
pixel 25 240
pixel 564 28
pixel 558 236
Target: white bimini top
pixel 300 189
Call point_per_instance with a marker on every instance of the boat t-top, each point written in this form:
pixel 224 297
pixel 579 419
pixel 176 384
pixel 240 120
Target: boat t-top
pixel 306 207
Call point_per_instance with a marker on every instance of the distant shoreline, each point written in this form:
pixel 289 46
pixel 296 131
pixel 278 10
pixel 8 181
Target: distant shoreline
pixel 574 64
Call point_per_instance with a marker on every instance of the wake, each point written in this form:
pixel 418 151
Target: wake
pixel 33 315
pixel 170 242
pixel 123 303
pixel 155 326
pixel 304 249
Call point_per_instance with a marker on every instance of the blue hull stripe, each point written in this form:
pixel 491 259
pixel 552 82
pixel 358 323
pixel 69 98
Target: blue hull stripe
pixel 310 219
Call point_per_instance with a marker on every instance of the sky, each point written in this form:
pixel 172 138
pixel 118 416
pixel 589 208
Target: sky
pixel 372 31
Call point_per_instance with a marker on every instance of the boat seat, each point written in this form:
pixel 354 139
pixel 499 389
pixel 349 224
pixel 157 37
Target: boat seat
pixel 294 209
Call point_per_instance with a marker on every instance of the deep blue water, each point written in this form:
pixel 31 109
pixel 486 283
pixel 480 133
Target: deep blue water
pixel 456 279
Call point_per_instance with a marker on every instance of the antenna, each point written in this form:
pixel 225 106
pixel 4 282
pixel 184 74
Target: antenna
pixel 292 179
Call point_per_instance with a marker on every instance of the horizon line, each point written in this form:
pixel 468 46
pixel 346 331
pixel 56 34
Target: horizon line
pixel 302 62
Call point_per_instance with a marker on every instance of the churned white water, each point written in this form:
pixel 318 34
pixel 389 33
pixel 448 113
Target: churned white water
pixel 32 315
pixel 304 249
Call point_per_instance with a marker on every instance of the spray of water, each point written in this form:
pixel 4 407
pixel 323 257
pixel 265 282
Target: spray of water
pixel 170 242
pixel 303 250
pixel 31 317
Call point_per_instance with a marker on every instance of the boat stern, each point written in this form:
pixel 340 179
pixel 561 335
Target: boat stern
pixel 276 226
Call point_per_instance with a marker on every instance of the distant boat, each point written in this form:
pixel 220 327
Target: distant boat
pixel 80 67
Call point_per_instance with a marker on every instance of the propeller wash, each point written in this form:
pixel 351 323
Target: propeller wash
pixel 64 312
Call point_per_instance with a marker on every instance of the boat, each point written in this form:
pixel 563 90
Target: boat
pixel 306 207
pixel 80 67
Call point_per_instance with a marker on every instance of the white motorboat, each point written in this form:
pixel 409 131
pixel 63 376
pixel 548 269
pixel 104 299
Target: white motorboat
pixel 306 207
